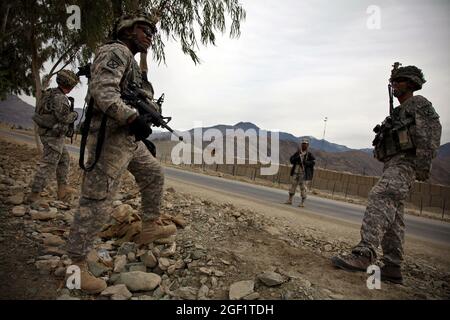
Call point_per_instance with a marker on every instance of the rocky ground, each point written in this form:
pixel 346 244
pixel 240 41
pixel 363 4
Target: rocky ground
pixel 223 251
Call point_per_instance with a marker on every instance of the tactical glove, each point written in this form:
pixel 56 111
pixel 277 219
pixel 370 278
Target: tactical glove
pixel 422 175
pixel 72 117
pixel 423 169
pixel 140 129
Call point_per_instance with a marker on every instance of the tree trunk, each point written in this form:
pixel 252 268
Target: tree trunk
pixel 5 18
pixel 35 67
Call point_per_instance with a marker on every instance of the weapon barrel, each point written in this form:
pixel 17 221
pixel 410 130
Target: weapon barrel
pixel 391 100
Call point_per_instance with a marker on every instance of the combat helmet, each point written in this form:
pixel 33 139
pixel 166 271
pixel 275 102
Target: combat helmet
pixel 128 20
pixel 411 73
pixel 67 79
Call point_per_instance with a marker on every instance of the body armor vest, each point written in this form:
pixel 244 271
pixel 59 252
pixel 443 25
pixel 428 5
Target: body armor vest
pixel 394 135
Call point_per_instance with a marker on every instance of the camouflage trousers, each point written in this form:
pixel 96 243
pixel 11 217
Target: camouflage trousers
pixel 383 221
pixel 97 194
pixel 55 159
pixel 297 180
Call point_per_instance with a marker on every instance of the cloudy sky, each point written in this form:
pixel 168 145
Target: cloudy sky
pixel 298 62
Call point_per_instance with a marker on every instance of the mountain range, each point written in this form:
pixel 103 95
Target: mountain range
pixel 329 155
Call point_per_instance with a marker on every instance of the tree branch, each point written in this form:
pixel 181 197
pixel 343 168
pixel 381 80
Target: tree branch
pixel 61 58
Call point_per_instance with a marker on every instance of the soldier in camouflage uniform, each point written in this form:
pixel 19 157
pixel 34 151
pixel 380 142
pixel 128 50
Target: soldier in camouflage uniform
pixel 303 164
pixel 406 143
pixel 55 117
pixel 113 69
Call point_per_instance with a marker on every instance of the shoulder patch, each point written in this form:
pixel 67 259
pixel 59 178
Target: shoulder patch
pixel 112 63
pixel 116 59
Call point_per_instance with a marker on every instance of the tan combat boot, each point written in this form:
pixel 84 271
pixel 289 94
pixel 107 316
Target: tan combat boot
pixel 392 274
pixel 302 203
pixel 65 193
pixel 356 261
pixel 153 230
pixel 89 283
pixel 289 201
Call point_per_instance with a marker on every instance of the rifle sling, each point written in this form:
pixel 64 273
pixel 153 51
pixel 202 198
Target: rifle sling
pixel 85 134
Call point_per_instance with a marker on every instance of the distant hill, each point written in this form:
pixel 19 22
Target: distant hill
pixel 313 142
pixel 444 150
pixel 341 158
pixel 329 155
pixel 15 111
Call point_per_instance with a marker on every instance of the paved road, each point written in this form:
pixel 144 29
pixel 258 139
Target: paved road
pixel 432 230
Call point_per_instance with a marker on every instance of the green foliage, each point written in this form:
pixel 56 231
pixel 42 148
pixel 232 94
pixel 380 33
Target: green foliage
pixel 180 19
pixel 34 32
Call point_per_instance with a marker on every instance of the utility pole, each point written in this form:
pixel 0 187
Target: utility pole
pixel 323 138
pixel 324 130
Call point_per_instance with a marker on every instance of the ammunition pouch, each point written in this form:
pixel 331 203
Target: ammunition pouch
pixel 46 121
pixel 393 137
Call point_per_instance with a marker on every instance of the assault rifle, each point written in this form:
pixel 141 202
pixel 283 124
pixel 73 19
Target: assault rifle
pixel 137 98
pixel 71 130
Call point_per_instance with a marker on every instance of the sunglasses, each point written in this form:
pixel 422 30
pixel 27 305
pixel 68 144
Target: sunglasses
pixel 149 31
pixel 400 79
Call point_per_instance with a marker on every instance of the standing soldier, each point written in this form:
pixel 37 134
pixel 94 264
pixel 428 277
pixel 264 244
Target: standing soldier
pixel 55 117
pixel 406 143
pixel 302 170
pixel 113 69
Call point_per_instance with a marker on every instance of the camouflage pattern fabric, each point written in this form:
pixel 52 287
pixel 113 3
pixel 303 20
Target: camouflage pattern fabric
pixel 67 79
pixel 55 156
pixel 56 104
pixel 383 221
pixel 297 180
pixel 113 68
pixel 55 159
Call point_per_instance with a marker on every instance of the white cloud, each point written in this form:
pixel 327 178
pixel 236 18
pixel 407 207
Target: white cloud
pixel 299 61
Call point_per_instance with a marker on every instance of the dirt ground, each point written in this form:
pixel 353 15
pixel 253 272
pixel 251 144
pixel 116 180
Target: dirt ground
pixel 240 237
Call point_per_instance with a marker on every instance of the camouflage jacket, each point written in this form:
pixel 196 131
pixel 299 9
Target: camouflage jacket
pixel 425 132
pixel 55 109
pixel 114 67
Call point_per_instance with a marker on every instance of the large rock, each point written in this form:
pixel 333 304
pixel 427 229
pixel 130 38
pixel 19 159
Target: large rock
pixel 139 281
pixel 18 211
pixel 186 293
pixel 52 240
pixel 43 215
pixel 270 278
pixel 240 289
pixel 136 266
pixel 119 263
pixel 16 199
pixel 97 268
pixel 169 251
pixel 126 248
pixel 117 292
pixel 163 263
pixel 149 259
pixel 46 266
pixel 95 265
pixel 202 293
